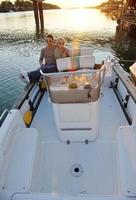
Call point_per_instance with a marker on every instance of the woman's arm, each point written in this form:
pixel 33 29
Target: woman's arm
pixel 66 52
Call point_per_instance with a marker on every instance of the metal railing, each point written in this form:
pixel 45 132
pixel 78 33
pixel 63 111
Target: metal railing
pixel 3 116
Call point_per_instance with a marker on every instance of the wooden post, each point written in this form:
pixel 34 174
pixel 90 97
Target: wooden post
pixel 122 8
pixel 41 15
pixel 35 7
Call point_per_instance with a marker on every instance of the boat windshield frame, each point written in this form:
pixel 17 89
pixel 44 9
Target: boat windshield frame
pixel 84 92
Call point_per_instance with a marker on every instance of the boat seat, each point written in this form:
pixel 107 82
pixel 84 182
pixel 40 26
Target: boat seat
pixel 17 172
pixel 87 61
pixel 80 51
pixel 13 121
pixel 74 52
pixel 86 51
pixel 126 139
pixel 75 63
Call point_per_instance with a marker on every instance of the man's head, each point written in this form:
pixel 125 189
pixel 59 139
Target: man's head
pixel 50 40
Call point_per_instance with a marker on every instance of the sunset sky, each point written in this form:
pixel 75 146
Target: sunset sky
pixel 75 3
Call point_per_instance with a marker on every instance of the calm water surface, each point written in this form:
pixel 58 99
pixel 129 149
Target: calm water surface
pixel 20 44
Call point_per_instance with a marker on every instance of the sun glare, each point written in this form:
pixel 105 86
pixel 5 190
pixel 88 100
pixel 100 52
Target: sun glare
pixel 82 19
pixel 80 3
pixel 79 20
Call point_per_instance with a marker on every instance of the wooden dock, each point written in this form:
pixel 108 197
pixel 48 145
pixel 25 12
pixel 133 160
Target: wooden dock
pixel 127 20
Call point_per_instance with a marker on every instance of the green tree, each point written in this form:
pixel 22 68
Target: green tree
pixel 23 5
pixel 19 3
pixel 28 5
pixel 6 5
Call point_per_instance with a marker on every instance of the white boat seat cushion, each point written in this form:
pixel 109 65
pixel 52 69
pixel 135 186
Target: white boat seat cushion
pixel 75 52
pixel 86 51
pixel 10 125
pixel 63 64
pixel 21 160
pixel 87 61
pixel 82 51
pixel 75 63
pixel 126 139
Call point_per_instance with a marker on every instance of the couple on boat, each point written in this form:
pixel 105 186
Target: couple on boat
pixel 55 49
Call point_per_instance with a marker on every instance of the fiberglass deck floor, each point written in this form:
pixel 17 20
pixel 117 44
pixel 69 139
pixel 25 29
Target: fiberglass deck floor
pixel 96 162
pixel 111 117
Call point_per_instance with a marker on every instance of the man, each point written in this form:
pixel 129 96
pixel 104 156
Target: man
pixel 47 61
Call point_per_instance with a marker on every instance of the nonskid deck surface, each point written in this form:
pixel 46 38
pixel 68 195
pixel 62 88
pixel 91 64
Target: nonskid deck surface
pixel 78 168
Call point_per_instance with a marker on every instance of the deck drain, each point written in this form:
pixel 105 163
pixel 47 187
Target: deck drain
pixel 76 170
pixel 84 192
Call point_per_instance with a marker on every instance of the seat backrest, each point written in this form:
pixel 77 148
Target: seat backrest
pixel 81 51
pixel 86 51
pixel 87 61
pixel 63 64
pixel 75 52
pixel 75 63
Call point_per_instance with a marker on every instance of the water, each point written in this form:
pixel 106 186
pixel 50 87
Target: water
pixel 20 44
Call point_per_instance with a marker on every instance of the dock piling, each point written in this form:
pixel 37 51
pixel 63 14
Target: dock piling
pixel 41 15
pixel 38 14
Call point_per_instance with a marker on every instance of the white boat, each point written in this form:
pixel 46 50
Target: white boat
pixel 81 141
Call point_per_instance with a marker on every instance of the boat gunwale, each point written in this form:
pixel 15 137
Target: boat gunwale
pixel 24 96
pixel 130 91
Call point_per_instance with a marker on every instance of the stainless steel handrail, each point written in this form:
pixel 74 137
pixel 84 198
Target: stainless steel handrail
pixel 4 112
pixel 3 115
pixel 126 81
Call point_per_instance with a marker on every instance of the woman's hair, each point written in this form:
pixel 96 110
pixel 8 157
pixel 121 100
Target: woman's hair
pixel 61 39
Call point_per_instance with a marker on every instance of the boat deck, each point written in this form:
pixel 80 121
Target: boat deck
pixel 111 117
pixel 96 161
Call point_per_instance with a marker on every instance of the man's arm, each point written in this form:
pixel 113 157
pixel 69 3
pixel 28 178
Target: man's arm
pixel 41 57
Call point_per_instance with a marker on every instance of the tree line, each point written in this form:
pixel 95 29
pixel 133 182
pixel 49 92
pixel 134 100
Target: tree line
pixel 22 5
pixel 117 3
